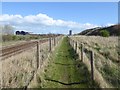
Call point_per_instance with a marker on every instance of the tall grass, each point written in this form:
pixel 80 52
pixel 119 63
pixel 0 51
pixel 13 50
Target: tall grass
pixel 106 56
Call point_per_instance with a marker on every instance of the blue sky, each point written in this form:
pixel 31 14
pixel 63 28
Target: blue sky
pixel 86 14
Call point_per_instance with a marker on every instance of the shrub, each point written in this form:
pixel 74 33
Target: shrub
pixel 18 37
pixel 6 38
pixel 21 38
pixel 104 33
pixel 14 37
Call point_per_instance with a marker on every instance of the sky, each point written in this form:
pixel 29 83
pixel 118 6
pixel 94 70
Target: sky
pixel 58 17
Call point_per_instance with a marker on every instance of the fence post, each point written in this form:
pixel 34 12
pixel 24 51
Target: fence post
pixel 81 52
pixel 73 44
pixel 92 65
pixel 76 46
pixel 70 41
pixel 49 44
pixel 37 54
pixel 54 41
pixel 79 49
pixel 57 40
pixel 40 61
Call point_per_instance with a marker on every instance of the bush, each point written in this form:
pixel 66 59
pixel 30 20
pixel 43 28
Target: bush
pixel 6 38
pixel 18 37
pixel 14 37
pixel 104 33
pixel 21 37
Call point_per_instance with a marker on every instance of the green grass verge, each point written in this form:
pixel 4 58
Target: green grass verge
pixel 65 70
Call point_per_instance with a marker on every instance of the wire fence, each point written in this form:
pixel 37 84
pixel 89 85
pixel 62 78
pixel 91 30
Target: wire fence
pixel 20 63
pixel 104 72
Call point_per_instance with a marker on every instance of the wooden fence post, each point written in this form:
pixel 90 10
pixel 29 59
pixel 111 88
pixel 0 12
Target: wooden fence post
pixel 82 52
pixel 54 41
pixel 92 65
pixel 49 44
pixel 76 46
pixel 79 49
pixel 37 54
pixel 40 60
pixel 73 44
pixel 70 42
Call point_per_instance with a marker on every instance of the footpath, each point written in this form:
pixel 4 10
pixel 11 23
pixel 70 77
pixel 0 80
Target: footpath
pixel 65 70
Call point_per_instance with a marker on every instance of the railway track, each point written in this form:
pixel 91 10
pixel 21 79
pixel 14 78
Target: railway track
pixel 16 49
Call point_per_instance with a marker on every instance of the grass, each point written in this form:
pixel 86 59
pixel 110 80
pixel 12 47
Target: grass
pixel 8 40
pixel 106 56
pixel 112 75
pixel 65 70
pixel 9 43
pixel 19 68
pixel 103 45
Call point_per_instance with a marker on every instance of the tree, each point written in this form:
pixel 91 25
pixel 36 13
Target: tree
pixel 23 33
pixel 7 30
pixel 104 33
pixel 18 32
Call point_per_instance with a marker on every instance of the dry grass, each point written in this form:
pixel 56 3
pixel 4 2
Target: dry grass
pixel 18 70
pixel 108 47
pixel 97 75
pixel 104 45
pixel 9 43
pixel 46 56
pixel 105 57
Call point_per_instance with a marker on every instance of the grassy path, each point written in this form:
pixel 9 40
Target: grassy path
pixel 65 70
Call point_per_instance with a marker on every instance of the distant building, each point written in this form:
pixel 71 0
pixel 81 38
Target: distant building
pixel 70 32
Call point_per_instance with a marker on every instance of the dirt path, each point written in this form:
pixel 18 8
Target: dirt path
pixel 65 70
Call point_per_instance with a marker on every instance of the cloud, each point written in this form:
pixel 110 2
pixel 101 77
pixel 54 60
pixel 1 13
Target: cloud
pixel 109 24
pixel 41 22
